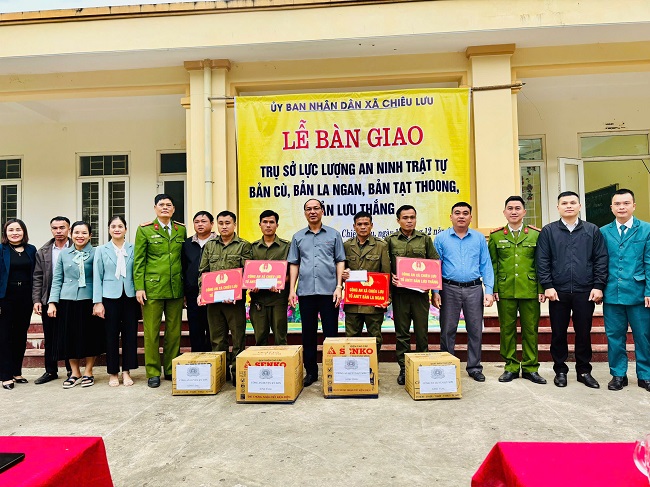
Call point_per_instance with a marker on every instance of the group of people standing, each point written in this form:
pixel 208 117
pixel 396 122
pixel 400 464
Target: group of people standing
pixel 574 265
pixel 90 298
pixel 84 295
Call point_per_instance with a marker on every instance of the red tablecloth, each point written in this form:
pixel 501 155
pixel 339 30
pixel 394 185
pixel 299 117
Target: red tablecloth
pixel 56 461
pixel 559 464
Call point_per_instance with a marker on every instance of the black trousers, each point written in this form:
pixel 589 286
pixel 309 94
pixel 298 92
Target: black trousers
pixel 310 308
pixel 15 316
pixel 121 316
pixel 197 317
pixel 49 324
pixel 578 308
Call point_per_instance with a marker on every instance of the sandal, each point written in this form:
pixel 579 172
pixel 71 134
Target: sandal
pixel 87 380
pixel 70 382
pixel 114 382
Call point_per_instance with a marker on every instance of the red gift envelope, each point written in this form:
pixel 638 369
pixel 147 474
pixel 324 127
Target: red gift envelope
pixel 219 286
pixel 373 292
pixel 419 273
pixel 265 274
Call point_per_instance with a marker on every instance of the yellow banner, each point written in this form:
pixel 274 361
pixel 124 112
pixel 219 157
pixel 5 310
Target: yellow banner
pixel 371 151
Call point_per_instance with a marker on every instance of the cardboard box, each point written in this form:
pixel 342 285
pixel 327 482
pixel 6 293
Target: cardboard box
pixel 434 375
pixel 197 373
pixel 269 374
pixel 350 367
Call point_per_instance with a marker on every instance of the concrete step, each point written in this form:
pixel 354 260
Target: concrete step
pixel 490 348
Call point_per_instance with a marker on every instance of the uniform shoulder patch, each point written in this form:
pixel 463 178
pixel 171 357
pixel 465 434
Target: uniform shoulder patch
pixel 534 228
pixel 497 229
pixel 146 224
pixel 283 240
pixel 179 223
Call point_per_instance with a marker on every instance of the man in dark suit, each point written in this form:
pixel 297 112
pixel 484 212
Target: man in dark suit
pixel 627 295
pixel 197 316
pixel 46 258
pixel 571 261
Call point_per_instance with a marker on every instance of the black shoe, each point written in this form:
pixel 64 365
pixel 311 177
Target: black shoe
pixel 309 379
pixel 8 386
pixel 477 376
pixel 588 380
pixel 617 383
pixel 508 376
pixel 645 384
pixel 46 377
pixel 534 377
pixel 153 382
pixel 560 379
pixel 401 378
pixel 168 377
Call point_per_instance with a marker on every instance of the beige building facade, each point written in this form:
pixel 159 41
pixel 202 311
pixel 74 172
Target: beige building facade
pixel 102 108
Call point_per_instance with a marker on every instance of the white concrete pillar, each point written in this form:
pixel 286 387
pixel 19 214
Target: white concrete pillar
pixel 495 132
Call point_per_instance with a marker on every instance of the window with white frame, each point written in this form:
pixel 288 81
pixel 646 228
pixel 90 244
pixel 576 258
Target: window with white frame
pixel 173 179
pixel 612 161
pixel 10 187
pixel 103 191
pixel 532 168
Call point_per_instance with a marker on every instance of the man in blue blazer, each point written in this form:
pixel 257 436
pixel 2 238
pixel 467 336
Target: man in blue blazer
pixel 627 295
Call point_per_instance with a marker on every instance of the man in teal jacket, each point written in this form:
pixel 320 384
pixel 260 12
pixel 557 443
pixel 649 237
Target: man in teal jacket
pixel 627 295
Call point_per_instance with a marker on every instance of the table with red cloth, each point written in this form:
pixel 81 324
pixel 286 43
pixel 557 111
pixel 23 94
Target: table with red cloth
pixel 559 464
pixel 56 461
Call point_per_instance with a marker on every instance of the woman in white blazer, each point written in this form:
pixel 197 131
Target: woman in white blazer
pixel 114 298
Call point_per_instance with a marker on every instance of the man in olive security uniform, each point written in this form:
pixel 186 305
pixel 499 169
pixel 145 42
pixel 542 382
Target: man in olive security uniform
pixel 158 278
pixel 512 250
pixel 227 251
pixel 409 304
pixel 365 252
pixel 268 309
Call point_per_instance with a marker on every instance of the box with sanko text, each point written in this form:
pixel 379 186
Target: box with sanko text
pixel 434 375
pixel 350 367
pixel 197 373
pixel 269 374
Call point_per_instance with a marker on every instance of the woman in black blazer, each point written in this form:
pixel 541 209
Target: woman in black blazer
pixel 16 268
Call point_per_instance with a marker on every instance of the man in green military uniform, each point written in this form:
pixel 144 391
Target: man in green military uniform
pixel 409 304
pixel 512 250
pixel 269 306
pixel 158 279
pixel 227 251
pixel 365 252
